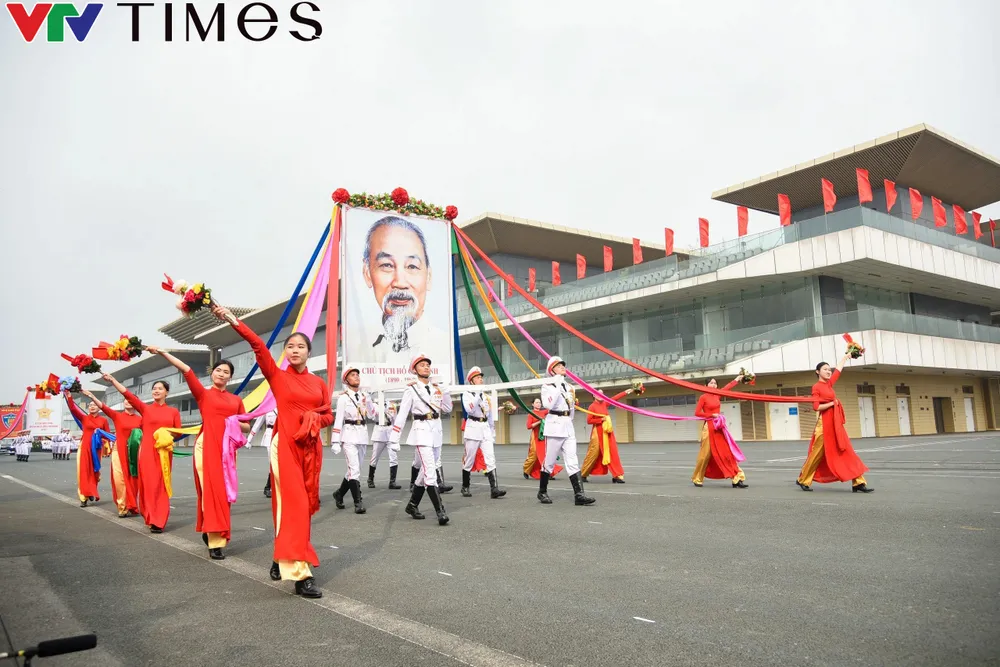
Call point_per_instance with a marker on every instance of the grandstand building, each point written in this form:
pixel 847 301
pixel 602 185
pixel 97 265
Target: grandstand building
pixel 920 299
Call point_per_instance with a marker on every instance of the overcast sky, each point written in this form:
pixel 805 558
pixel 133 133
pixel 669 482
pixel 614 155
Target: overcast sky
pixel 215 162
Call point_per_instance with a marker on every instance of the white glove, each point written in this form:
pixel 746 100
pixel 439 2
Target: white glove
pixel 336 448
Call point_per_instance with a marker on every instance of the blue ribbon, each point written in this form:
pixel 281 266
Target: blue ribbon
pixel 454 318
pixel 97 443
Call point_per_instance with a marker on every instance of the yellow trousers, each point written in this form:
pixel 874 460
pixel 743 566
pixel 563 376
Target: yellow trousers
pixel 118 479
pixel 291 570
pixel 215 540
pixel 532 459
pixel 816 457
pixel 704 456
pixel 590 460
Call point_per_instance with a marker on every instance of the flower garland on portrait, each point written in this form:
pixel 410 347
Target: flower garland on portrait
pixel 398 200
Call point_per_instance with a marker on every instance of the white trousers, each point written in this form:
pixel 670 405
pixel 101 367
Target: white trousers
pixel 437 457
pixel 424 459
pixel 471 447
pixel 354 455
pixel 378 448
pixel 567 447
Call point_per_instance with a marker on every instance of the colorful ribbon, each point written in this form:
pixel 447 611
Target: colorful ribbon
pixel 719 423
pixel 97 445
pixel 134 442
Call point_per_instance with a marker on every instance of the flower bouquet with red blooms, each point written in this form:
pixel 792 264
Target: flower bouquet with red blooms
pixel 192 297
pixel 70 384
pixel 853 349
pixel 746 377
pixel 83 363
pixel 508 407
pixel 398 200
pixel 638 387
pixel 125 348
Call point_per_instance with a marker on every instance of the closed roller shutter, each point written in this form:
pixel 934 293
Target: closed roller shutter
pixel 519 435
pixel 650 429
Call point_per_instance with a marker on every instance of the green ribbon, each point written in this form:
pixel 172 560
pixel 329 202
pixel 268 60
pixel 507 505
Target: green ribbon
pixel 134 440
pixel 482 330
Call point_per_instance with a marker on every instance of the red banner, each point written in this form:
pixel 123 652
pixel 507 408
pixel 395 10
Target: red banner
pixel 890 194
pixel 636 252
pixel 742 220
pixel 916 203
pixel 581 267
pixel 829 196
pixel 703 232
pixel 556 278
pixel 333 297
pixel 784 210
pixel 12 417
pixel 940 216
pixel 531 280
pixel 864 186
pixel 668 241
pixel 510 285
pixel 961 225
pixel 609 260
pixel 976 229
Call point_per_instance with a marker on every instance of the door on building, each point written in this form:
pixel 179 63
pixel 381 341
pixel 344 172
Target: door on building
pixel 784 418
pixel 939 414
pixel 970 416
pixel 866 407
pixel 734 418
pixel 903 412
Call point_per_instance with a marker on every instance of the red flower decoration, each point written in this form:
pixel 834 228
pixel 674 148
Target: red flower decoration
pixel 400 197
pixel 450 213
pixel 341 196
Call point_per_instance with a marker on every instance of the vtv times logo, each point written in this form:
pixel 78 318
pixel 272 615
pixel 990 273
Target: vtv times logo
pixel 56 16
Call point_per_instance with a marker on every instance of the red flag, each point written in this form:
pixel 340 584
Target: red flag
pixel 703 232
pixel 609 260
pixel 940 216
pixel 531 280
pixel 916 203
pixel 636 252
pixel 961 226
pixel 556 279
pixel 668 236
pixel 785 210
pixel 829 196
pixel 864 186
pixel 976 229
pixel 890 195
pixel 993 228
pixel 742 219
pixel 581 267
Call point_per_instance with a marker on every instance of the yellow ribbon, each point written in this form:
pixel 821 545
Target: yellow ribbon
pixel 164 442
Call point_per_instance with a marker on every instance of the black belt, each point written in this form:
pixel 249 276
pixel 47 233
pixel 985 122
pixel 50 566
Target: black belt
pixel 478 419
pixel 559 413
pixel 424 418
pixel 352 422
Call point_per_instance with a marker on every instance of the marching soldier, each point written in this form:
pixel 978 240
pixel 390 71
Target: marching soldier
pixel 424 401
pixel 560 437
pixel 351 431
pixel 381 436
pixel 479 434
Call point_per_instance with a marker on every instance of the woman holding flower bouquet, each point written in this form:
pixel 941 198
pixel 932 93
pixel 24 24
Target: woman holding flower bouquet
pixel 536 444
pixel 304 407
pixel 87 466
pixel 479 435
pixel 124 486
pixel 216 403
pixel 154 469
pixel 716 458
pixel 602 454
pixel 831 456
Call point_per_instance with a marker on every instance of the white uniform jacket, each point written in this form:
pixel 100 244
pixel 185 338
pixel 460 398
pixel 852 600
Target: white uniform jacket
pixel 559 397
pixel 351 425
pixel 479 425
pixel 426 403
pixel 383 429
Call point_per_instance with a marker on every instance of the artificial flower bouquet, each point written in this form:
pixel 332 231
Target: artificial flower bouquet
pixel 509 407
pixel 192 297
pixel 125 348
pixel 70 384
pixel 746 377
pixel 853 349
pixel 83 363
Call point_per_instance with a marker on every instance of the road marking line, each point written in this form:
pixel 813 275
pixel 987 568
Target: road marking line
pixel 598 523
pixel 829 504
pixel 464 651
pixel 970 528
pixel 644 620
pixel 256 528
pixel 445 574
pixel 333 547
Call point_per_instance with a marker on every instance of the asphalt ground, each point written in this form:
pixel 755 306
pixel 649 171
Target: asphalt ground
pixel 657 572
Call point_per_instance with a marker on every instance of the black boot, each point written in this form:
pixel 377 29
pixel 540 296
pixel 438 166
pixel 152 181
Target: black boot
pixel 359 507
pixel 413 477
pixel 371 477
pixel 495 491
pixel 216 554
pixel 543 488
pixel 307 588
pixel 392 478
pixel 267 487
pixel 466 480
pixel 861 488
pixel 432 491
pixel 275 571
pixel 578 497
pixel 442 487
pixel 338 495
pixel 415 498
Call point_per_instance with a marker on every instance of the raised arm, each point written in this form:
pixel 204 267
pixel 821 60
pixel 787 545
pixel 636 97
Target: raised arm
pixel 621 395
pixel 259 347
pixel 735 381
pixel 446 403
pixel 104 408
pixel 197 390
pixel 73 407
pixel 132 399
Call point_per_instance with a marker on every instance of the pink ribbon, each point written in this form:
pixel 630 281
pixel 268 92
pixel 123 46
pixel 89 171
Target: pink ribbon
pixel 719 424
pixel 233 437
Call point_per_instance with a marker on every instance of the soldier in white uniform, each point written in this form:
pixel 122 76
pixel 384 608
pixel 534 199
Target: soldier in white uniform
pixel 350 430
pixel 479 434
pixel 381 436
pixel 23 447
pixel 560 437
pixel 267 421
pixel 424 401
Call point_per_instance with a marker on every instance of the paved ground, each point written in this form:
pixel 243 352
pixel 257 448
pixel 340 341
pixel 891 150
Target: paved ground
pixel 658 572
